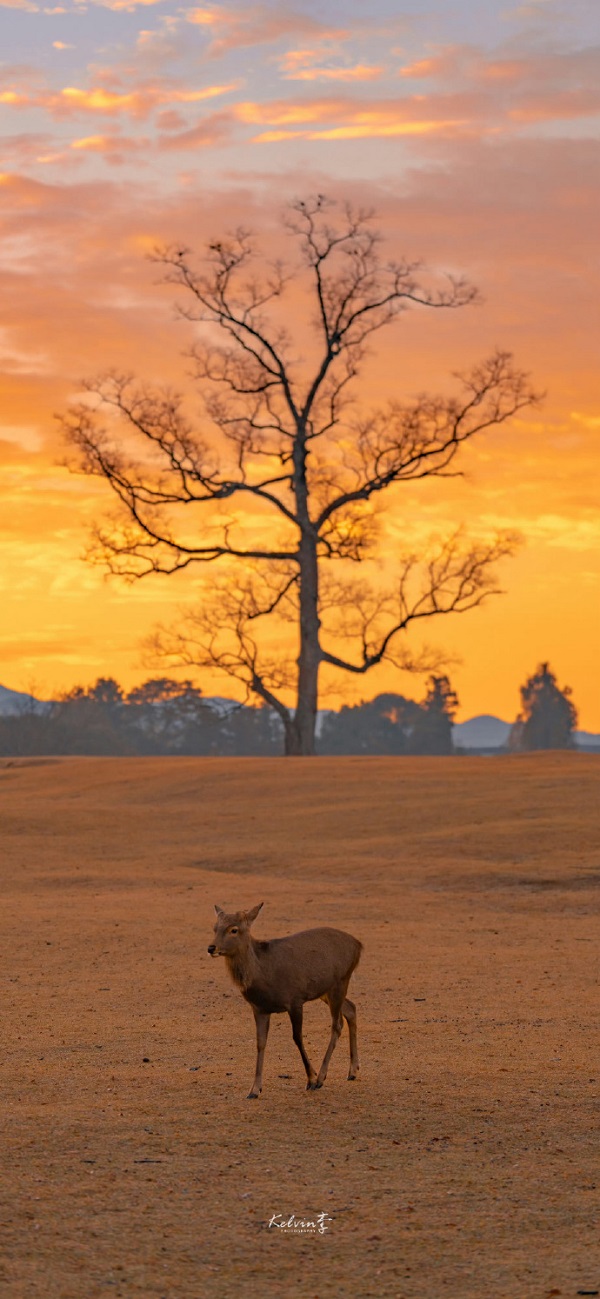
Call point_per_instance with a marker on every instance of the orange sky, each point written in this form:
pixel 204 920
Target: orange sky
pixel 479 156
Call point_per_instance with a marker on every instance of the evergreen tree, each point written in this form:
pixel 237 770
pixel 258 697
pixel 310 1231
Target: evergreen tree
pixel 432 732
pixel 548 716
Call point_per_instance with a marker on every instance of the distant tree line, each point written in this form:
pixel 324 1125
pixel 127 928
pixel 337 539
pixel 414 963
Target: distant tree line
pixel 392 724
pixel 162 716
pixel 168 717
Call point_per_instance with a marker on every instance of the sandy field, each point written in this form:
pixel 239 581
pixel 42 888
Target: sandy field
pixel 464 1164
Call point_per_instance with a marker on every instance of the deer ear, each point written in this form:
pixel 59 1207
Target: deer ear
pixel 219 910
pixel 251 915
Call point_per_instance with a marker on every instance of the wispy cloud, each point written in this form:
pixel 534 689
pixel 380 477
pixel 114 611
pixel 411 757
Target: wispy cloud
pixel 532 9
pixel 239 27
pixel 363 131
pixel 137 102
pixel 322 63
pixel 438 65
pixel 358 72
pixel 116 148
pixel 127 5
pixel 562 106
pixel 346 118
pixel 214 129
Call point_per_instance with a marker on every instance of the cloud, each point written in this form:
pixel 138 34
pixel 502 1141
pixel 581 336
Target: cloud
pixel 562 106
pixel 321 63
pixel 116 149
pixel 156 48
pixel 439 65
pixel 127 6
pixel 22 151
pixel 239 28
pixel 359 72
pixel 346 118
pixel 138 102
pixel 468 91
pixel 465 91
pixel 13 99
pixel 214 129
pixel 20 360
pixel 543 9
pixel 362 131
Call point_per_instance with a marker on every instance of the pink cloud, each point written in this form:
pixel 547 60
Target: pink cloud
pixel 321 63
pixel 359 72
pixel 438 65
pixel 360 116
pixel 240 27
pixel 214 129
pixel 137 102
pixel 128 5
pixel 465 91
pixel 561 106
pixel 114 148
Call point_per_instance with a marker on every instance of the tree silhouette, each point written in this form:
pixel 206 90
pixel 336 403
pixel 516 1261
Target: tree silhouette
pixel 548 717
pixel 432 731
pixel 382 725
pixel 282 476
pixel 88 720
pixel 167 716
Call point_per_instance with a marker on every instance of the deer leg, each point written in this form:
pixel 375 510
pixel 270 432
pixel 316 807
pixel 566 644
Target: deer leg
pixel 262 1032
pixel 295 1015
pixel 336 1001
pixel 349 1013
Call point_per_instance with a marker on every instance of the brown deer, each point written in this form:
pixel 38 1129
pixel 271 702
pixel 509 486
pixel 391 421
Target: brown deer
pixel 281 974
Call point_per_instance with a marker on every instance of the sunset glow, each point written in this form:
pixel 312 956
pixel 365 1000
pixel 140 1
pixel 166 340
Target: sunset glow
pixel 131 123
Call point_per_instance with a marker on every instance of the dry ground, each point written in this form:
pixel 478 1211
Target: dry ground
pixel 464 1164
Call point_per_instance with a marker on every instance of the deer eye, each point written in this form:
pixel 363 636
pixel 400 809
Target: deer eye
pixel 233 929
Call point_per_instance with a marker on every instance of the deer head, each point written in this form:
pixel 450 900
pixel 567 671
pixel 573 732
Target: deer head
pixel 231 931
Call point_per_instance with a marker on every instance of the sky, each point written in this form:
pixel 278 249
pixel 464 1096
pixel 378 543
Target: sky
pixel 473 132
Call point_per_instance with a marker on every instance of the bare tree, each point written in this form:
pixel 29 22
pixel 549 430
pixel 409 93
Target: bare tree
pixel 286 476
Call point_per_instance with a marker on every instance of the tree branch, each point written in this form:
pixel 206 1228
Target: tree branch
pixel 454 580
pixel 415 442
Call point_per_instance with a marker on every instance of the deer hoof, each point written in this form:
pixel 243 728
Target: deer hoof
pixel 253 1096
pixel 311 1086
pixel 352 1077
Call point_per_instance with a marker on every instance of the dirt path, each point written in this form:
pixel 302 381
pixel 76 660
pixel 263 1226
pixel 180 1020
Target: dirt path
pixel 465 1163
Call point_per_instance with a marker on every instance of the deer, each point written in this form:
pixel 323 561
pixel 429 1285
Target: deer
pixel 280 974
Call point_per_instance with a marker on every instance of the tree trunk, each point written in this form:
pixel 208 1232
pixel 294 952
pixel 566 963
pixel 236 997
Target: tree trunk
pixel 300 734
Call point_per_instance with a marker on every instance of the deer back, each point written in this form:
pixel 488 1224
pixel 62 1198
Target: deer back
pixel 302 967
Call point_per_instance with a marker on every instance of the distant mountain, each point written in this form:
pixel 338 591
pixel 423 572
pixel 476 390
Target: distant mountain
pixel 587 740
pixel 15 701
pixel 482 732
pixel 488 732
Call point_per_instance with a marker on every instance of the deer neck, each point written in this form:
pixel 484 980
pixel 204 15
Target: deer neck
pixel 244 966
